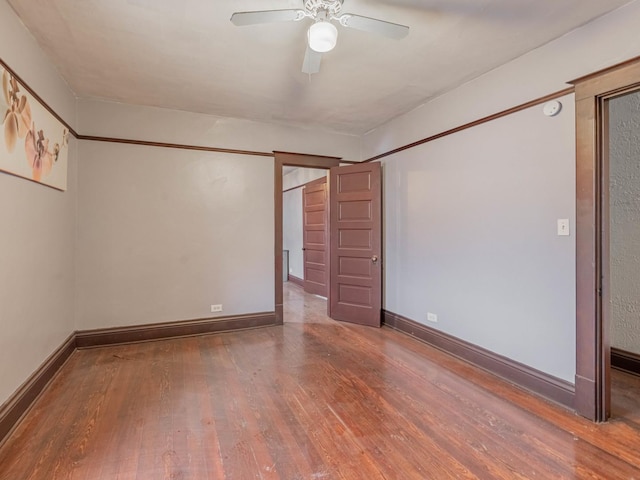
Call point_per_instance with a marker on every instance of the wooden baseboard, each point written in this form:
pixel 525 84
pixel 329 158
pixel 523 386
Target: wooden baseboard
pixel 626 361
pixel 535 381
pixel 12 411
pixel 162 331
pixel 295 280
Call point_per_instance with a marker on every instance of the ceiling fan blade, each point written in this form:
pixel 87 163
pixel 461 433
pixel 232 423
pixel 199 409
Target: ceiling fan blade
pixel 387 29
pixel 267 16
pixel 311 62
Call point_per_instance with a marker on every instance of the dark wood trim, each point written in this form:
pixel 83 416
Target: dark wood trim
pixel 6 172
pixel 295 160
pixel 162 331
pixel 592 260
pixel 278 202
pixel 475 123
pixel 292 188
pixel 38 97
pixel 626 361
pixel 605 71
pixel 522 375
pixel 605 267
pixel 306 160
pixel 303 185
pixel 180 146
pixel 12 411
pixel 296 281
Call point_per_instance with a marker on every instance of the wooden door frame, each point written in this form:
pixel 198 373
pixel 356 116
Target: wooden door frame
pixel 295 160
pixel 592 92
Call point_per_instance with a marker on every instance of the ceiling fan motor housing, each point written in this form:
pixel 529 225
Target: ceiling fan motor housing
pixel 331 7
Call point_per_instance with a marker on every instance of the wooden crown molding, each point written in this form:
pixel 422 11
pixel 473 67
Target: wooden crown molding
pixel 180 146
pixel 299 156
pixel 475 123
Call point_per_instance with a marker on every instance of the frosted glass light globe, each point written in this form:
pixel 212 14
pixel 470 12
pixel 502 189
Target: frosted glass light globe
pixel 322 36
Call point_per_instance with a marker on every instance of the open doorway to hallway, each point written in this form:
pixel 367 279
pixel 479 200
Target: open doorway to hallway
pixel 305 240
pixel 354 232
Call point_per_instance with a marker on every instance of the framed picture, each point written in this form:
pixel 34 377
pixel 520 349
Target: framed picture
pixel 33 143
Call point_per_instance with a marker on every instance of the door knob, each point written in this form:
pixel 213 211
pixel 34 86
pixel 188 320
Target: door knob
pixel 374 259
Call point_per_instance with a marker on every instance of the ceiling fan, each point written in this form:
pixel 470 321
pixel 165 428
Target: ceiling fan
pixel 322 35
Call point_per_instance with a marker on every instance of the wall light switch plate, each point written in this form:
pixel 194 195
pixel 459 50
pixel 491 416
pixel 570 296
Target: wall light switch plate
pixel 563 227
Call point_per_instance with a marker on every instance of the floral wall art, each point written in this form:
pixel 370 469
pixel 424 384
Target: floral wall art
pixel 33 143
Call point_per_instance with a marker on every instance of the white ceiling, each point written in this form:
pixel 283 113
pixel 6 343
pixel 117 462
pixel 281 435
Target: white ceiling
pixel 187 55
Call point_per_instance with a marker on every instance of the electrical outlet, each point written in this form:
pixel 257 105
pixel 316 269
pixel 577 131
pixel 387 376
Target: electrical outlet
pixel 216 308
pixel 432 317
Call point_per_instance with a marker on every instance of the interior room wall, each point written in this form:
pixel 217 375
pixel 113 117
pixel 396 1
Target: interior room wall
pixel 164 233
pixel 471 236
pixel 37 231
pixel 470 219
pixel 624 172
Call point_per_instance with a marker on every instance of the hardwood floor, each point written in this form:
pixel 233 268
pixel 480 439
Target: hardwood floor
pixel 312 399
pixel 625 398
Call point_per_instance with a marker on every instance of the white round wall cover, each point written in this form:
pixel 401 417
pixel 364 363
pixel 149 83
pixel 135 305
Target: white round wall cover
pixel 552 108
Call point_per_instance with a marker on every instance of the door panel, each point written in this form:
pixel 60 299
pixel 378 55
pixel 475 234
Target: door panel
pixel 355 267
pixel 355 244
pixel 315 204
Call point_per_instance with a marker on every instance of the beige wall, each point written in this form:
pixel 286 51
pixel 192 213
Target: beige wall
pixel 165 233
pixel 470 224
pixel 37 232
pixel 470 219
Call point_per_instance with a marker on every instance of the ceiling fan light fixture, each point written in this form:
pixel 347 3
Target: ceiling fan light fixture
pixel 323 36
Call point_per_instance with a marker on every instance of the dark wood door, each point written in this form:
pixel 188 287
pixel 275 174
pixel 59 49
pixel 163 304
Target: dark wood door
pixel 355 246
pixel 315 233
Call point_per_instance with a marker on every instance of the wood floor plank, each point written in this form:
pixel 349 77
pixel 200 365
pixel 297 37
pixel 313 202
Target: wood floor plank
pixel 312 399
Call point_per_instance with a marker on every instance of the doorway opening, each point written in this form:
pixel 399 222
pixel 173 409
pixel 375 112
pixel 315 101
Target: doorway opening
pixel 594 94
pixel 353 236
pixel 286 159
pixel 621 200
pixel 305 215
